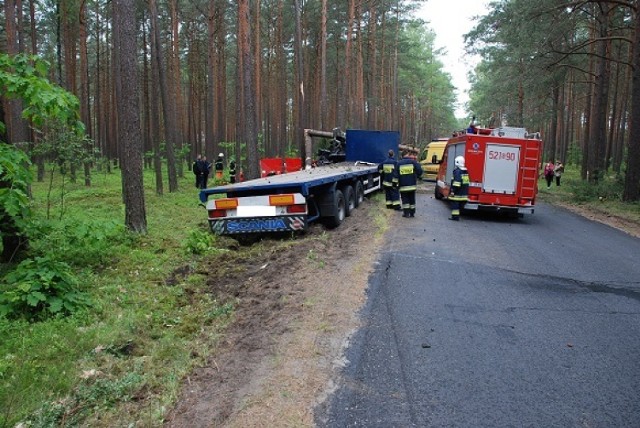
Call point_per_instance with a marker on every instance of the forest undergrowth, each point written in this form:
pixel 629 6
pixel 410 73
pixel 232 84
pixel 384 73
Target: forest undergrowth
pixel 600 200
pixel 147 317
pixel 121 352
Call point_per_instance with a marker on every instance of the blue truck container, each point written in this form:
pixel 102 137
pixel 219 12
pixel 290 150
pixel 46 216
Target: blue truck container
pixel 289 202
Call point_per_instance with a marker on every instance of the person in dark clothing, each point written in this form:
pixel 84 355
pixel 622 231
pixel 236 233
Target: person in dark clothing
pixel 219 166
pixel 389 173
pixel 232 171
pixel 205 168
pixel 458 195
pixel 195 167
pixel 409 172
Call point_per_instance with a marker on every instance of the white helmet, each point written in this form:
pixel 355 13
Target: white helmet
pixel 221 155
pixel 459 161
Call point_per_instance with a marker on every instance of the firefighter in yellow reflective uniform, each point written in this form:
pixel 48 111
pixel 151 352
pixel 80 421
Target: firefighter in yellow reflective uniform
pixel 389 172
pixel 409 172
pixel 459 191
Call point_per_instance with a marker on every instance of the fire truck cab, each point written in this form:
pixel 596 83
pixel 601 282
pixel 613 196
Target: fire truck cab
pixel 503 168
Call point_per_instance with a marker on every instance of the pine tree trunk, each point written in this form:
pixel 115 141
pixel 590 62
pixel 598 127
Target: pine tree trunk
pixel 323 66
pixel 249 96
pixel 599 112
pixel 167 101
pixel 129 114
pixel 632 176
pixel 299 61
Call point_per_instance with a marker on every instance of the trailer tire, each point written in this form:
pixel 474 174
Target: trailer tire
pixel 349 199
pixel 438 195
pixel 359 193
pixel 339 210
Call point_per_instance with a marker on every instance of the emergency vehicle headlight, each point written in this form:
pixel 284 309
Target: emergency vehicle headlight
pixel 226 203
pixel 279 200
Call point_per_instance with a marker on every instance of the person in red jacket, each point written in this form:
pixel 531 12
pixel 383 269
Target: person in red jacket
pixel 548 173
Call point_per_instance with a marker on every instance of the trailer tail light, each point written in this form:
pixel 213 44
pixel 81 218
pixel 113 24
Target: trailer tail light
pixel 217 213
pixel 281 200
pixel 297 209
pixel 226 204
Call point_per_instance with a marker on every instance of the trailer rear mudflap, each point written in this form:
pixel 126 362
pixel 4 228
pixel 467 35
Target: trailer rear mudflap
pixel 255 214
pixel 238 225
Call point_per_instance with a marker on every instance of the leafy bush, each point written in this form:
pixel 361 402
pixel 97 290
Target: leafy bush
pixel 39 288
pixel 199 242
pixel 14 202
pixel 605 188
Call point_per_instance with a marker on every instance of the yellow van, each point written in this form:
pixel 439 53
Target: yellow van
pixel 431 158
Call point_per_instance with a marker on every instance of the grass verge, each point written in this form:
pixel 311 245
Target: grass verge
pixel 151 318
pixel 604 197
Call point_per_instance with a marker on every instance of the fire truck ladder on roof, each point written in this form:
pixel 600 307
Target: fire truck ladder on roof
pixel 529 175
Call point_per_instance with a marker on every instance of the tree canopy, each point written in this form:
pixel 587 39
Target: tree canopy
pixel 566 68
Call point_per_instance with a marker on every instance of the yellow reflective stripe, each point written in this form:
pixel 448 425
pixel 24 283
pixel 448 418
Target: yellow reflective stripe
pixel 406 169
pixel 408 188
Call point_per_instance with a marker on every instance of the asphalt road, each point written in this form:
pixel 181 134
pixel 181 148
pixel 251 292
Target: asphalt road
pixel 491 322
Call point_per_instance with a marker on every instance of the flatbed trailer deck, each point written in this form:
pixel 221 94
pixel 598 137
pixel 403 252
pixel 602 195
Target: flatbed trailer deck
pixel 299 181
pixel 289 202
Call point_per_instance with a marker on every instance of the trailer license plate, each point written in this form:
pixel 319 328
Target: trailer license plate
pixel 256 211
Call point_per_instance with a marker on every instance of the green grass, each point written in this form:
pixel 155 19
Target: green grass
pixel 140 336
pixel 605 196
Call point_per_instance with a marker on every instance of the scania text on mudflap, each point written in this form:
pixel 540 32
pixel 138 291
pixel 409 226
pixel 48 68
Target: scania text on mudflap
pixel 289 202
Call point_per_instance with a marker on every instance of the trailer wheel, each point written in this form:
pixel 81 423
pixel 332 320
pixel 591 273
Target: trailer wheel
pixel 438 195
pixel 359 193
pixel 339 210
pixel 350 200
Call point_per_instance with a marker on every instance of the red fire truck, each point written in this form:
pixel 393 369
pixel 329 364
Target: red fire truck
pixel 503 168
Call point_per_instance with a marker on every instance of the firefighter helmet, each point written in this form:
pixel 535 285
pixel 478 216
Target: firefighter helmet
pixel 459 161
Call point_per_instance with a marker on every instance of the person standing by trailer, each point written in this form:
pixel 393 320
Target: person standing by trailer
pixel 205 169
pixel 459 188
pixel 219 166
pixel 195 167
pixel 389 173
pixel 409 172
